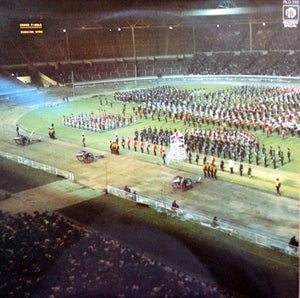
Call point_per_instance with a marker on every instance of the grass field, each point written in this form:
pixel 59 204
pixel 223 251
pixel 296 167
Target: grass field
pixel 263 178
pixel 244 267
pixel 235 264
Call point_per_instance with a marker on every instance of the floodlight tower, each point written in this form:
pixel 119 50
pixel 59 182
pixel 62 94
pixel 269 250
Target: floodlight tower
pixel 134 54
pixel 69 58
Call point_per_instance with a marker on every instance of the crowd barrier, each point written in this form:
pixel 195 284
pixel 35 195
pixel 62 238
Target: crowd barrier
pixel 37 165
pixel 164 205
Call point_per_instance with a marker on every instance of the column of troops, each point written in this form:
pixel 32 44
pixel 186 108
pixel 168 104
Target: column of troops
pixel 237 145
pixel 147 138
pixel 97 122
pixel 269 109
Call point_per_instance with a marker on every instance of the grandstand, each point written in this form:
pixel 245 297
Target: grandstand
pixel 97 54
pixel 117 48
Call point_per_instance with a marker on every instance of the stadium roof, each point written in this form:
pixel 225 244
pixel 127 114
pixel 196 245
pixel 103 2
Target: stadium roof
pixel 91 13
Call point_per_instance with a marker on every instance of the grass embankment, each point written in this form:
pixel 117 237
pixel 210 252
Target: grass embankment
pixel 244 267
pixel 263 178
pixel 16 177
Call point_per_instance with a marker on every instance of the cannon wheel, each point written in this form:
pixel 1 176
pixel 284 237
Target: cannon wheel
pixel 178 185
pixel 89 157
pixel 85 156
pixel 80 157
pixel 22 140
pixel 188 184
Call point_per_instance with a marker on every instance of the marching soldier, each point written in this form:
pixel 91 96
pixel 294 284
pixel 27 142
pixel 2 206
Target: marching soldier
pixel 265 159
pixel 241 169
pixel 274 161
pixel 256 158
pixel 164 157
pixel 128 143
pixel 204 170
pixel 214 172
pixel 208 170
pixel 83 139
pixel 17 129
pixel 281 158
pixel 154 148
pixel 289 155
pixel 222 165
pixel 249 171
pixel 277 185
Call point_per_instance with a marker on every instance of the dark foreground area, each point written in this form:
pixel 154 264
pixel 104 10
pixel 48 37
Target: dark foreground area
pixel 216 258
pixel 110 247
pixel 45 255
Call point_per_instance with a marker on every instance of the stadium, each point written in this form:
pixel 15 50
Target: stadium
pixel 149 149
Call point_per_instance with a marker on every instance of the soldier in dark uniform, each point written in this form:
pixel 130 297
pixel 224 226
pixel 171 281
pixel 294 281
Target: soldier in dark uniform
pixel 241 169
pixel 274 161
pixel 263 149
pixel 136 133
pixel 249 171
pixel 277 185
pixel 281 158
pixel 190 157
pixel 279 151
pixel 265 159
pixel 289 155
pixel 222 165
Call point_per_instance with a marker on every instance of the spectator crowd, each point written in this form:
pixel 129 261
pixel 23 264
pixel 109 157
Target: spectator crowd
pixel 45 255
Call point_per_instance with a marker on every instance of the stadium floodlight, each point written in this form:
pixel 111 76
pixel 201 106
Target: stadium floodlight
pixel 220 12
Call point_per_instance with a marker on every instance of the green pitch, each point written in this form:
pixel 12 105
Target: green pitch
pixel 262 178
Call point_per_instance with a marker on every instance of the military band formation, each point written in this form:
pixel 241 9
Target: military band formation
pixel 228 117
